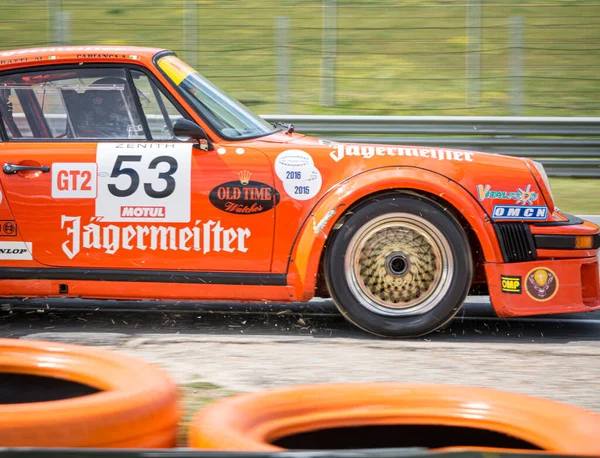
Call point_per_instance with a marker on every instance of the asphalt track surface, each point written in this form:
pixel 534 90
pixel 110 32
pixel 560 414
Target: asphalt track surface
pixel 317 319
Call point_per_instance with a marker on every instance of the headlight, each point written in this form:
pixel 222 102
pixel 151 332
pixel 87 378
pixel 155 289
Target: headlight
pixel 544 175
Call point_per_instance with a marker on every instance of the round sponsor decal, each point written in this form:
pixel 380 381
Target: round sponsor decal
pixel 244 197
pixel 541 284
pixel 9 228
pixel 296 170
pixel 293 160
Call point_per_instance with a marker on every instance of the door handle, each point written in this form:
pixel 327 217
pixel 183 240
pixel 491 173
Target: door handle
pixel 9 168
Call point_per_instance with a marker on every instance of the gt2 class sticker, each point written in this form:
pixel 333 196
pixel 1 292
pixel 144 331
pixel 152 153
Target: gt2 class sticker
pixel 520 196
pixel 511 284
pixel 541 284
pixel 518 212
pixel 202 237
pixel 368 151
pixel 144 182
pixel 15 251
pixel 74 180
pixel 244 197
pixel 296 169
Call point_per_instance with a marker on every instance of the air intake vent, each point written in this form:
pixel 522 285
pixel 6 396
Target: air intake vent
pixel 516 242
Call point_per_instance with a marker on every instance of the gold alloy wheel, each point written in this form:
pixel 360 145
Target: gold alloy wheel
pixel 399 264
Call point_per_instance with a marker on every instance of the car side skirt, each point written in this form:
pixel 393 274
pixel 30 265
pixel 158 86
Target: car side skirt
pixel 144 276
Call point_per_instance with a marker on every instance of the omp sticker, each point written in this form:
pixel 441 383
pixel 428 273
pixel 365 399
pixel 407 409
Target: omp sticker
pixel 514 212
pixel 71 180
pixel 511 284
pixel 296 169
pixel 15 251
pixel 144 182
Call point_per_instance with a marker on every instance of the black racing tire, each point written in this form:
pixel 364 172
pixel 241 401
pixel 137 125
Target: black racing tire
pixel 399 266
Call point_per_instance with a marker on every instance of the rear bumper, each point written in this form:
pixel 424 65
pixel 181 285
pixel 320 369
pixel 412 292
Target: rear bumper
pixel 544 286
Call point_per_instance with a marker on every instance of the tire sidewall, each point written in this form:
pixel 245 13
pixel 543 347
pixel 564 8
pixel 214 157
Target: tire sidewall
pixel 400 326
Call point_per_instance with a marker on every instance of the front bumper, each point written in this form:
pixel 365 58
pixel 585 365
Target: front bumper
pixel 544 271
pixel 544 286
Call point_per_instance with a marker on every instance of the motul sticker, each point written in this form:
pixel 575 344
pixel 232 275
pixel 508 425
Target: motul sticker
pixel 142 212
pixel 15 251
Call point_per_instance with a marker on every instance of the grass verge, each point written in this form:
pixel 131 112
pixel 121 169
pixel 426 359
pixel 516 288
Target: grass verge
pixel 578 196
pixel 195 396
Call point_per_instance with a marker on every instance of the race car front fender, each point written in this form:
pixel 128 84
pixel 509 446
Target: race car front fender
pixel 311 238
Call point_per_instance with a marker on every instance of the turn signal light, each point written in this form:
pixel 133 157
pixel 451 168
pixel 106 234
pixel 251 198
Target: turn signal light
pixel 583 242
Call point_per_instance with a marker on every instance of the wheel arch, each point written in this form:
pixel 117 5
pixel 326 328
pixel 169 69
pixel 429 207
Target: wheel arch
pixel 328 215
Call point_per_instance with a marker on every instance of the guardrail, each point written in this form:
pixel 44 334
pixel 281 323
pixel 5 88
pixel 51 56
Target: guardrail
pixel 566 146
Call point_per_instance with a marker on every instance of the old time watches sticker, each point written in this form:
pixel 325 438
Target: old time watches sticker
pixel 541 284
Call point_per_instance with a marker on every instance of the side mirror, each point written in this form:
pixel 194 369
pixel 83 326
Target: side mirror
pixel 189 129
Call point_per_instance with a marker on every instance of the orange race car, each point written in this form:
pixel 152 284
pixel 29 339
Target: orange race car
pixel 127 175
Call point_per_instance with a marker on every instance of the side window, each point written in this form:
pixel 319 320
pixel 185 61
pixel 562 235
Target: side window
pixel 159 111
pixel 87 104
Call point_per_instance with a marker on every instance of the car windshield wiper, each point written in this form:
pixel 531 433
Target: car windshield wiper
pixel 279 126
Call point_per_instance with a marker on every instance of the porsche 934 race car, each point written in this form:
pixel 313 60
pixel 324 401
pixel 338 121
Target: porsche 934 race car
pixel 127 175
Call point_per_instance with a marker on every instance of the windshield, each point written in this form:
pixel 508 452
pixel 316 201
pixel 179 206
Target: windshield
pixel 223 113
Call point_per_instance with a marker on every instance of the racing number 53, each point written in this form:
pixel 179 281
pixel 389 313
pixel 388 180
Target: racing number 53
pixel 167 176
pixel 135 176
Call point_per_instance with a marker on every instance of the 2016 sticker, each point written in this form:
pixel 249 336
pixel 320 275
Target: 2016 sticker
pixel 296 169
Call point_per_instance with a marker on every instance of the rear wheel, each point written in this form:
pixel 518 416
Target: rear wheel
pixel 399 266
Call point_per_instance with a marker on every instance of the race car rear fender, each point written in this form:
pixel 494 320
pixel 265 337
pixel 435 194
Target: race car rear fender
pixel 309 243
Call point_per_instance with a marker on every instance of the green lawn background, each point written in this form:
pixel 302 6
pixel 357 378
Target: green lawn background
pixel 394 57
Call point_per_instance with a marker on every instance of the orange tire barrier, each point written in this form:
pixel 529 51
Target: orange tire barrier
pixel 62 395
pixel 384 415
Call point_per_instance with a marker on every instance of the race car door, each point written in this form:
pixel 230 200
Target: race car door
pixel 95 178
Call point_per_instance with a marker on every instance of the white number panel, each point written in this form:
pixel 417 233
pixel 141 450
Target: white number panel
pixel 144 182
